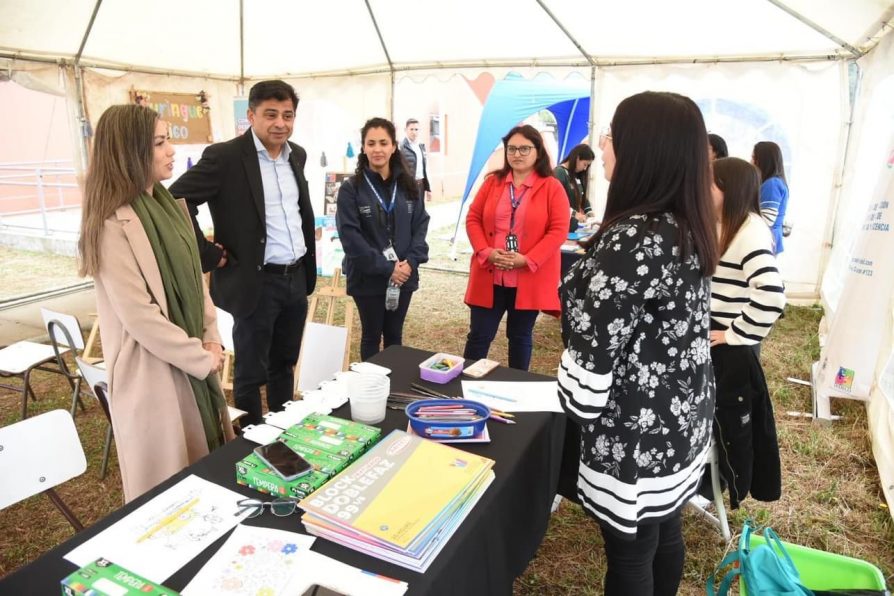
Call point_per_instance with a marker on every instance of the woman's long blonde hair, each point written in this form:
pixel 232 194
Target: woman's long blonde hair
pixel 120 169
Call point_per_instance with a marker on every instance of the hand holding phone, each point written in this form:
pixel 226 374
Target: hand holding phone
pixel 283 460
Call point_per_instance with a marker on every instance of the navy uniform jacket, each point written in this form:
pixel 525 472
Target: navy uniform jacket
pixel 361 223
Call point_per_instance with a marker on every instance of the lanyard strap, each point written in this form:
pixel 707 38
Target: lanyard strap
pixel 390 207
pixel 515 203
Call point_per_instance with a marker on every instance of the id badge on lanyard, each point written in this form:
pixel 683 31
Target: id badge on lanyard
pixel 511 238
pixel 389 251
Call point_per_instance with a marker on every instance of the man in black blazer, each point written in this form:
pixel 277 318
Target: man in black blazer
pixel 414 154
pixel 262 258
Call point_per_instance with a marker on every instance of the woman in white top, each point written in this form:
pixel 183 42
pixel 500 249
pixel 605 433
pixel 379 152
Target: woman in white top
pixel 747 296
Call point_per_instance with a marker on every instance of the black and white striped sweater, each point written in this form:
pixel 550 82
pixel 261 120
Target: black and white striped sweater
pixel 747 292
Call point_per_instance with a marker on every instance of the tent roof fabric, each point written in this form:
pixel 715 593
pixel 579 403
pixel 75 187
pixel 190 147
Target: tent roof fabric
pixel 293 39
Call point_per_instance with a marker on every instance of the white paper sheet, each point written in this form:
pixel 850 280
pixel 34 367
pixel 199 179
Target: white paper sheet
pixel 515 396
pixel 252 561
pixel 167 532
pixel 313 568
pixel 294 412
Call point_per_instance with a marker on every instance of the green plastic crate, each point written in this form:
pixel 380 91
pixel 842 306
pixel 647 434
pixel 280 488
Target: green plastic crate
pixel 826 571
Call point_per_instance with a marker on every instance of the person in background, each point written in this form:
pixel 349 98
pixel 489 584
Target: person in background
pixel 573 174
pixel 158 325
pixel 767 156
pixel 636 371
pixel 747 296
pixel 382 223
pixel 262 261
pixel 416 158
pixel 717 147
pixel 516 224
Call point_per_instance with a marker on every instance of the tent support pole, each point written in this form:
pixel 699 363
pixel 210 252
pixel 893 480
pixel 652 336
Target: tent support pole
pixel 80 94
pixel 838 183
pixel 816 27
pixel 241 47
pixel 372 17
pixel 567 33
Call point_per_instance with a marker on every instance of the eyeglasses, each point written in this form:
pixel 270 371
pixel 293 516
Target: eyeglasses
pixel 605 135
pixel 279 507
pixel 522 150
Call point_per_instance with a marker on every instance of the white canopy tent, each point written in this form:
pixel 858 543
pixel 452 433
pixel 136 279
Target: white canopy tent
pixel 806 73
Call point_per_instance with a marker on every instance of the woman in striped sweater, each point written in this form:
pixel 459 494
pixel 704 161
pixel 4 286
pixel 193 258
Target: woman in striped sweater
pixel 636 372
pixel 747 296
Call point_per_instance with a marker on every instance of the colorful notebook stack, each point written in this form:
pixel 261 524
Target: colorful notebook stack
pixel 401 501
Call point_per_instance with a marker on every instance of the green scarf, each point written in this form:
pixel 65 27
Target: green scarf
pixel 176 252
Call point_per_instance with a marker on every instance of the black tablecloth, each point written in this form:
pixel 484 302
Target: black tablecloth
pixel 493 545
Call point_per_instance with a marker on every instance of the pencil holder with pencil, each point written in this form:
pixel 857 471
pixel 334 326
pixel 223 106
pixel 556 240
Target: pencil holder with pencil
pixel 447 418
pixel 441 368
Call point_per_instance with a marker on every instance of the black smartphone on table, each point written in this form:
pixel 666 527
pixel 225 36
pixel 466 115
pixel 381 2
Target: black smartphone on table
pixel 283 460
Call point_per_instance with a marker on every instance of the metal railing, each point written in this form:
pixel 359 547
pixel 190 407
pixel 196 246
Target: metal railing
pixel 33 210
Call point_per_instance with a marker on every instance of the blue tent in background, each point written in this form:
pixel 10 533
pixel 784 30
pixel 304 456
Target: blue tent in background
pixel 515 98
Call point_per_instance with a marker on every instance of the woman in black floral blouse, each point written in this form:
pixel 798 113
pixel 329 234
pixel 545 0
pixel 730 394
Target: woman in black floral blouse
pixel 636 370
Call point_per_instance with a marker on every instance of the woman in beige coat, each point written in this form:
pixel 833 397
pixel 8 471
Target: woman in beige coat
pixel 157 322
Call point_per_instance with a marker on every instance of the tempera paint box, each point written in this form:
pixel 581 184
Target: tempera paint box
pixel 104 578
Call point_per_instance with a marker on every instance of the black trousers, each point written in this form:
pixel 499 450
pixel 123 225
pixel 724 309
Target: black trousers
pixel 484 322
pixel 652 564
pixel 267 343
pixel 377 323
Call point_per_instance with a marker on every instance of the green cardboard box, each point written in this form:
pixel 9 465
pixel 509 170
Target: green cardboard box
pixel 329 443
pixel 104 578
pixel 332 426
pixel 254 473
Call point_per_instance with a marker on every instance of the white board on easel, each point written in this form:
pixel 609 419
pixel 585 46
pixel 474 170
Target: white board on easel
pixel 322 354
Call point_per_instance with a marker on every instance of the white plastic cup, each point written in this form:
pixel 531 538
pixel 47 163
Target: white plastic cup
pixel 368 394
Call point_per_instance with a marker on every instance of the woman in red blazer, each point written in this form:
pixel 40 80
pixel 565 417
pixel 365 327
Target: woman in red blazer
pixel 516 224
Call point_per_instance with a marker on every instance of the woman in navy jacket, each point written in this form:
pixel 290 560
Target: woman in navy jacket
pixel 382 227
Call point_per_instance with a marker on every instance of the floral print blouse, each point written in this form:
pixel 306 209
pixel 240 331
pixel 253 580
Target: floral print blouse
pixel 636 371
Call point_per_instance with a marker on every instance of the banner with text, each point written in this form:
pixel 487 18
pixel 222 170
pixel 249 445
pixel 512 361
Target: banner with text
pixel 186 113
pixel 849 360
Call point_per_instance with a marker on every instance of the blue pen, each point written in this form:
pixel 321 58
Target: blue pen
pixel 489 394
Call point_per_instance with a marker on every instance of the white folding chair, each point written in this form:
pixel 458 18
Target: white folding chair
pixel 698 503
pixel 65 334
pixel 20 360
pixel 38 454
pixel 97 379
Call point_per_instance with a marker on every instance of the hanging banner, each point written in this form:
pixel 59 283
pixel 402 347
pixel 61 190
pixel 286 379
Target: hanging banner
pixel 186 113
pixel 849 360
pixel 240 115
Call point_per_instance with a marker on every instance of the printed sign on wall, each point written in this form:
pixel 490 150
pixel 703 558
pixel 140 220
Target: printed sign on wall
pixel 186 113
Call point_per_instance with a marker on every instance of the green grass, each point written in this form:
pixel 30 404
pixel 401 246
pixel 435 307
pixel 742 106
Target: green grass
pixel 831 495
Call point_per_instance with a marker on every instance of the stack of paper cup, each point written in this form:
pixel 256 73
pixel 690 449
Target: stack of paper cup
pixel 369 397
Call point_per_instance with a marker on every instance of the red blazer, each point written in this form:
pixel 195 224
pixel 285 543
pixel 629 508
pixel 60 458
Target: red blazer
pixel 545 229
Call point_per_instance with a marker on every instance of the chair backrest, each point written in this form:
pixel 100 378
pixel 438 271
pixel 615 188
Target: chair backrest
pixel 97 379
pixel 37 454
pixel 225 327
pixel 66 331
